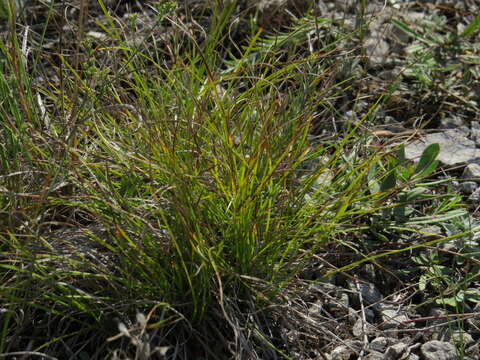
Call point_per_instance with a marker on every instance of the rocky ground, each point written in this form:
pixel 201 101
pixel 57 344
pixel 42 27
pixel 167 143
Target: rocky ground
pixel 378 310
pixel 385 315
pixel 376 313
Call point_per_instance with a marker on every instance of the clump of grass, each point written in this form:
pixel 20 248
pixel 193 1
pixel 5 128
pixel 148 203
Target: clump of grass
pixel 196 186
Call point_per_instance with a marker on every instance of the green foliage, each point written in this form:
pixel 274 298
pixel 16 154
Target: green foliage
pixel 164 8
pixel 438 56
pixel 414 204
pixel 200 182
pixel 201 173
pixel 471 28
pixel 5 9
pixel 427 163
pixel 453 275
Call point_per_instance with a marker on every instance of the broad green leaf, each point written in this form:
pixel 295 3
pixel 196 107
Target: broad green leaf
pixel 401 154
pixel 422 283
pixel 428 170
pixel 428 157
pixel 402 213
pixel 405 173
pixel 470 29
pixel 389 182
pixel 374 186
pixel 399 212
pixel 447 301
pixel 421 259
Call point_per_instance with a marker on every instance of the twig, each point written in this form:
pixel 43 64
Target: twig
pixel 364 319
pixel 448 316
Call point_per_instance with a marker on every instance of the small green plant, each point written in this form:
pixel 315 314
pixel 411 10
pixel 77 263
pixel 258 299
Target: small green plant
pixel 452 269
pixel 443 59
pixel 164 8
pixel 403 177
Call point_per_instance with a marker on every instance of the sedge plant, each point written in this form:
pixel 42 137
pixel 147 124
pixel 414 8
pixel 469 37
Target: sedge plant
pixel 182 186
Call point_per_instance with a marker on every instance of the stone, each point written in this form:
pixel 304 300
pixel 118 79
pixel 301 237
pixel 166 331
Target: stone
pixel 347 351
pixel 475 132
pixel 393 317
pixel 474 322
pixel 379 344
pixel 369 315
pixel 458 337
pixel 412 357
pixel 438 350
pixel 368 271
pixel 334 301
pixel 468 187
pixel 362 327
pixel 437 316
pixel 475 196
pixel 397 352
pixel 455 148
pixel 377 51
pixel 473 351
pixel 371 296
pixel 472 172
pixel 374 355
pixel 454 122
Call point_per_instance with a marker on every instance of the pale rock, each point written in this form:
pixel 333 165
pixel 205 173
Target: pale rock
pixel 472 171
pixel 379 344
pixel 397 351
pixel 455 148
pixel 438 350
